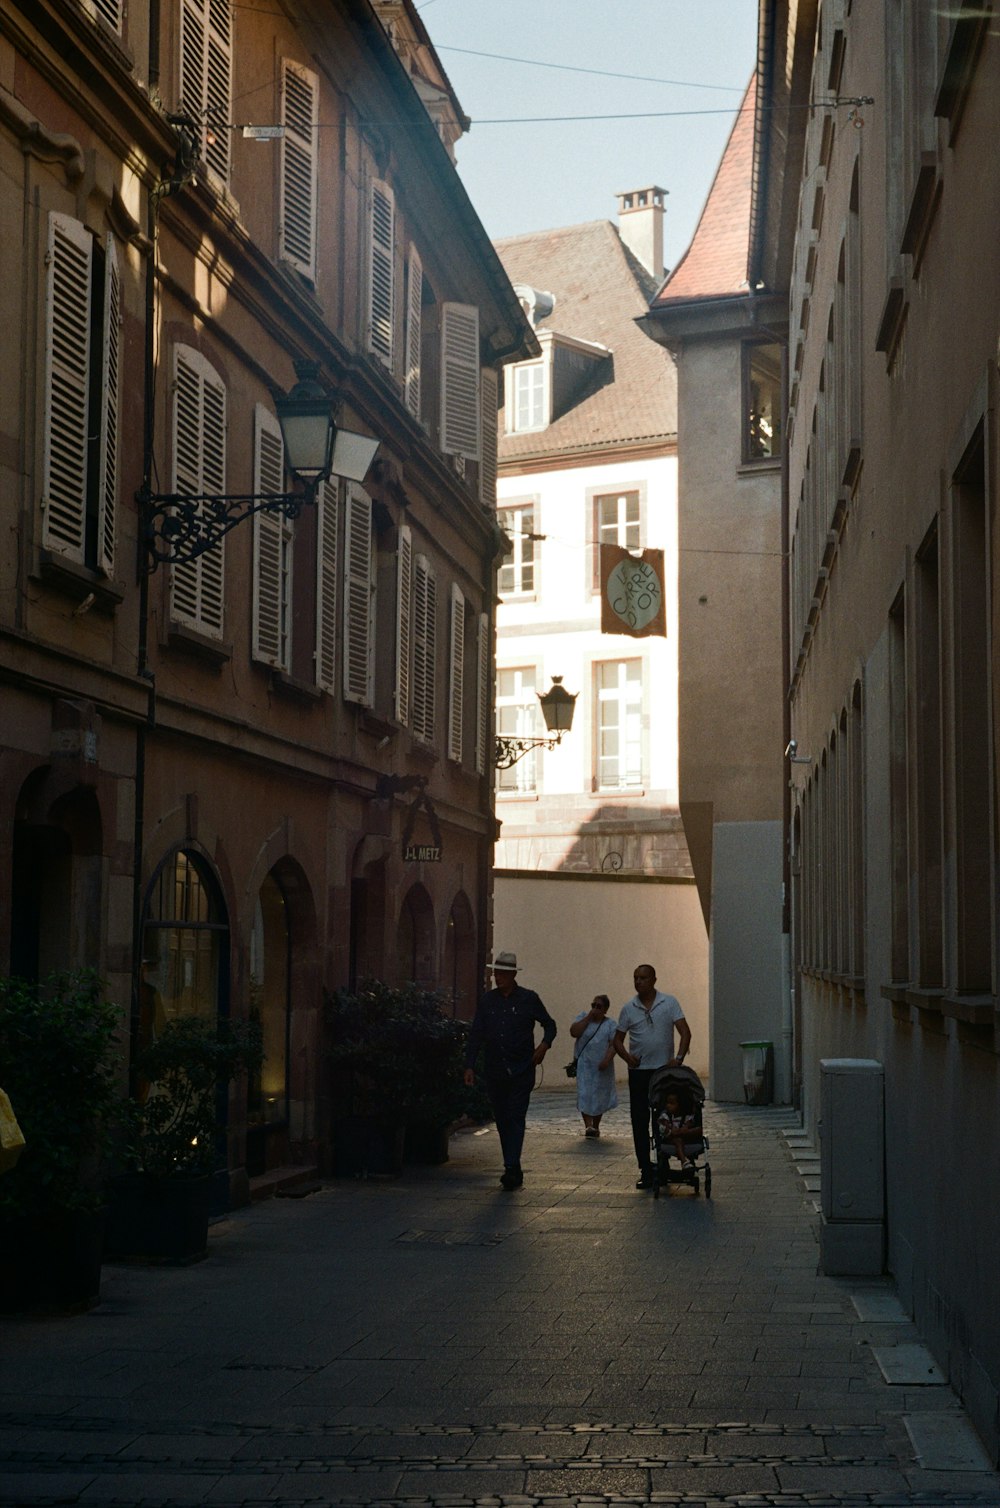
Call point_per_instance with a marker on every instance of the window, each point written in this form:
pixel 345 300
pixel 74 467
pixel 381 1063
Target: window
pixel 527 398
pixel 424 649
pixel 199 466
pixel 382 273
pixel 299 183
pixel 518 716
pixel 359 599
pixel 761 401
pixel 460 399
pixel 456 675
pixel 272 550
pixel 206 63
pixel 618 702
pixel 108 10
pixel 82 361
pixel 518 571
pixel 482 693
pixel 414 331
pixel 185 946
pixel 327 566
pixel 617 521
pixel 490 389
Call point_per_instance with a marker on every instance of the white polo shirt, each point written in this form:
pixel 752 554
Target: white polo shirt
pixel 651 1033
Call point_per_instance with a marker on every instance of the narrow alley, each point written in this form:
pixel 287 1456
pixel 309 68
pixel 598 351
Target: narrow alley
pixel 432 1340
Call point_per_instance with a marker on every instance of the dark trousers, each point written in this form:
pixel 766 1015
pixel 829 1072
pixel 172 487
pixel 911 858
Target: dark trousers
pixel 509 1097
pixel 642 1117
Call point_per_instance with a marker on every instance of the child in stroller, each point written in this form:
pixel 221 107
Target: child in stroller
pixel 676 1098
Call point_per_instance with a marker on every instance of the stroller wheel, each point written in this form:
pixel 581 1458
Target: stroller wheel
pixel 708 1183
pixel 697 1184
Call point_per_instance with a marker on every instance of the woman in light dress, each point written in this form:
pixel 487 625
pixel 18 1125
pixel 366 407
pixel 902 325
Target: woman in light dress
pixel 594 1034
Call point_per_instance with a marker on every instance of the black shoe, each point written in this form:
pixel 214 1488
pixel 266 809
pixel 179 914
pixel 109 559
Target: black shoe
pixel 645 1180
pixel 512 1178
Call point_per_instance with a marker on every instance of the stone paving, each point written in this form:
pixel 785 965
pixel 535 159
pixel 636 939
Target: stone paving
pixel 433 1340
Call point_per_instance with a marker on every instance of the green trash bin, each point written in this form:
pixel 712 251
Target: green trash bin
pixel 758 1072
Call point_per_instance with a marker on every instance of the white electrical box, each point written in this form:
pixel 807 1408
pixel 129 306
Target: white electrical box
pixel 852 1166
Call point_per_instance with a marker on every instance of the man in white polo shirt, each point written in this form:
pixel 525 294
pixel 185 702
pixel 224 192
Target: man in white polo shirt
pixel 649 1019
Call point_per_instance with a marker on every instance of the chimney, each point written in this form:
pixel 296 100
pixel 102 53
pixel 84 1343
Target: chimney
pixel 640 225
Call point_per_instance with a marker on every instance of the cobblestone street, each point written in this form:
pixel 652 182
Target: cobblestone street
pixel 433 1340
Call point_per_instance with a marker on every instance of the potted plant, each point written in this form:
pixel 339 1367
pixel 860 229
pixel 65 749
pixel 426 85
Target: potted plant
pixel 59 1064
pixel 160 1205
pixel 396 1076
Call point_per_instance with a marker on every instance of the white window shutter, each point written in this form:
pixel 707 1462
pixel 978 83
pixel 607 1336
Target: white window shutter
pixel 489 388
pixel 206 65
pixel 414 318
pixel 270 547
pixel 460 415
pixel 67 386
pixel 107 494
pixel 199 466
pixel 359 599
pixel 327 514
pixel 404 624
pixel 299 157
pixel 381 273
pixel 424 649
pixel 482 694
pixel 456 674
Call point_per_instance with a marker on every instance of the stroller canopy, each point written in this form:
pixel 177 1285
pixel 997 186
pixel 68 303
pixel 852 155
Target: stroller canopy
pixel 682 1081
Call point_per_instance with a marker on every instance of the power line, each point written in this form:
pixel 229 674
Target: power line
pixel 604 73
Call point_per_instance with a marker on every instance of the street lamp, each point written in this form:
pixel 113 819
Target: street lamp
pixel 557 709
pixel 178 527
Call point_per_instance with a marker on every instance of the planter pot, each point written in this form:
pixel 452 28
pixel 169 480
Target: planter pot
pixel 426 1144
pixel 365 1146
pixel 51 1263
pixel 158 1219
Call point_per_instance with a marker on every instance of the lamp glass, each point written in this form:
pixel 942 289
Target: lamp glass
pixel 307 429
pixel 352 455
pixel 558 706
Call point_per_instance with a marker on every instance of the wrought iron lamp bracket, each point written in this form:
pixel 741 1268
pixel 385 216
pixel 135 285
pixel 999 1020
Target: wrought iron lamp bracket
pixel 178 527
pixel 509 750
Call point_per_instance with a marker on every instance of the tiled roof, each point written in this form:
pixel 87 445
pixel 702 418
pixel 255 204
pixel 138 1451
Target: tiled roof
pixel 715 264
pixel 600 291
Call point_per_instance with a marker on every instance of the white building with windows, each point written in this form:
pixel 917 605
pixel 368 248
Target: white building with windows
pixel 592 868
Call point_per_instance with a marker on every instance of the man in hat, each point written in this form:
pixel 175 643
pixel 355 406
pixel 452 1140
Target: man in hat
pixel 504 1024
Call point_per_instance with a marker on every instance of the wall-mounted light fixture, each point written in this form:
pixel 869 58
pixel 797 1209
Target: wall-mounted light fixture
pixel 557 709
pixel 178 527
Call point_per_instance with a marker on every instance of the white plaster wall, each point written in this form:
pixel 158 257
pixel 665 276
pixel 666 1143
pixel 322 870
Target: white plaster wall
pixel 558 630
pixel 748 1000
pixel 575 938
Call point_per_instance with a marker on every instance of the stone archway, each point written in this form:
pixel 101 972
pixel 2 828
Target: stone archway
pixel 415 950
pixel 57 879
pixel 458 964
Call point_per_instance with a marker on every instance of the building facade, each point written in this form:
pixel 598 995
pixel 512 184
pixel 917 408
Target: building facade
pixel 235 781
pixel 592 868
pixel 727 338
pixel 892 669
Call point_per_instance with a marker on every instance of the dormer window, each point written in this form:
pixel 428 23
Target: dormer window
pixel 528 408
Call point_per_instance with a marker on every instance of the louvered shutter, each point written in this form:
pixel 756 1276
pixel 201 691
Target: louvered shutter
pixel 297 228
pixel 424 649
pixel 414 317
pixel 327 514
pixel 199 466
pixel 206 62
pixel 404 624
pixel 108 10
pixel 488 463
pixel 381 272
pixel 67 386
pixel 456 674
pixel 271 548
pixel 482 693
pixel 460 416
pixel 359 597
pixel 107 494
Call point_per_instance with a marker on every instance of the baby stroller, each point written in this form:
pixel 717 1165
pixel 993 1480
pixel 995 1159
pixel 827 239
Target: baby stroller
pixel 686 1085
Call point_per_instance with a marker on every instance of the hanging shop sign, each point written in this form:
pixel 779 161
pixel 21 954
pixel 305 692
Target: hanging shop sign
pixel 633 601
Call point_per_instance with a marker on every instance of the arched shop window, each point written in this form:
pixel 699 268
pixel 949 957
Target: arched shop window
pixel 185 947
pixel 270 967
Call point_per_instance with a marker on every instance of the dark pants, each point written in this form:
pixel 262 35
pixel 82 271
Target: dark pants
pixel 509 1097
pixel 642 1117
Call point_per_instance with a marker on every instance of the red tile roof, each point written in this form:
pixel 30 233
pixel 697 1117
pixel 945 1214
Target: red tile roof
pixel 600 291
pixel 715 263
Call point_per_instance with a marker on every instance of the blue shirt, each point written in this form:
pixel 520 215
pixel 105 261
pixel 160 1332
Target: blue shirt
pixel 505 1026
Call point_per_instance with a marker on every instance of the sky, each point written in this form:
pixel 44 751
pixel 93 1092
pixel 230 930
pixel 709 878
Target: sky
pixel 535 176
